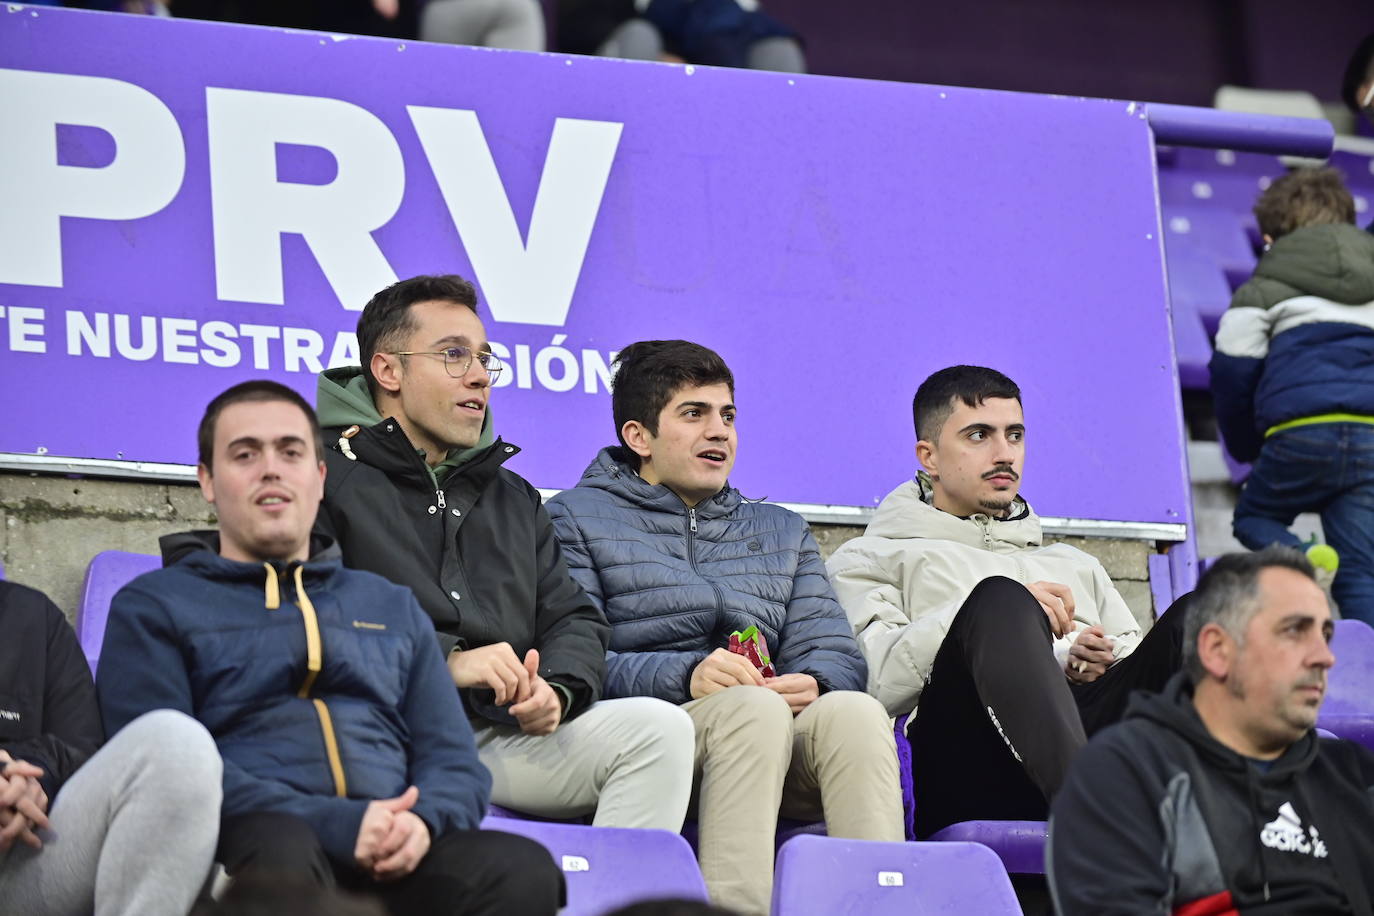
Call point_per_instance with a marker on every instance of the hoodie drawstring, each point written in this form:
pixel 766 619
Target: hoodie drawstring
pixel 313 652
pixel 271 591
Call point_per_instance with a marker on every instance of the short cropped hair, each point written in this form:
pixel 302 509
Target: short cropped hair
pixel 1228 596
pixel 1358 72
pixel 1304 197
pixel 256 391
pixel 650 371
pixel 386 320
pixel 934 401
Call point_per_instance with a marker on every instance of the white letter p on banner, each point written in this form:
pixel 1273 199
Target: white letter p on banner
pixel 36 191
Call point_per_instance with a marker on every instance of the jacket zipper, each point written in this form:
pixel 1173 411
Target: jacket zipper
pixel 439 494
pixel 314 664
pixel 692 558
pixel 984 523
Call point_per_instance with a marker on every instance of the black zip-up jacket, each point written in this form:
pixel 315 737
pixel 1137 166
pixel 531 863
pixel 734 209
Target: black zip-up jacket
pixel 479 553
pixel 48 710
pixel 1157 816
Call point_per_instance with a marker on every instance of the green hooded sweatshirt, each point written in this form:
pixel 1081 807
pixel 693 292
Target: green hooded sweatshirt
pixel 342 400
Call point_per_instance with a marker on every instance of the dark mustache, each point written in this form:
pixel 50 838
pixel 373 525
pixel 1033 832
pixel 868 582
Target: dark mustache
pixel 1002 471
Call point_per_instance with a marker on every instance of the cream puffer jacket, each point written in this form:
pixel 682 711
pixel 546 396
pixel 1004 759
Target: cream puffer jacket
pixel 903 581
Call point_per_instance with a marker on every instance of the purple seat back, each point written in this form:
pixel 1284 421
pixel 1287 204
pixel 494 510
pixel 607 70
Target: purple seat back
pixel 1213 232
pixel 609 867
pixel 1348 710
pixel 1193 349
pixel 831 875
pixel 110 570
pixel 1019 844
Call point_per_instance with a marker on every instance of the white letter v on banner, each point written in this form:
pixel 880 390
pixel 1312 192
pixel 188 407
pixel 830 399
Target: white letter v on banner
pixel 528 282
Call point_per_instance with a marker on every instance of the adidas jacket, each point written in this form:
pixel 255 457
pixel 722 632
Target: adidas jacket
pixel 1158 817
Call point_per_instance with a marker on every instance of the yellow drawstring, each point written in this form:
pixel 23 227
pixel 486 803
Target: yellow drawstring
pixel 271 591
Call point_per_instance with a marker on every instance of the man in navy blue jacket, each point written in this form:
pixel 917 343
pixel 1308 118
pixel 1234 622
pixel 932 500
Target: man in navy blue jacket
pixel 679 561
pixel 347 756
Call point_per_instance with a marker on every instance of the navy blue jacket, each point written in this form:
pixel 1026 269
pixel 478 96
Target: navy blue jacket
pixel 675 582
pixel 233 645
pixel 1298 339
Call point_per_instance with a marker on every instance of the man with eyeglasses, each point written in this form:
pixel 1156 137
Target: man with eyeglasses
pixel 416 492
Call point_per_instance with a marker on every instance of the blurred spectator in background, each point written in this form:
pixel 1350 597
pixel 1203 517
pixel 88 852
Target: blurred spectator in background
pixel 514 24
pixel 1292 383
pixel 387 18
pixel 721 33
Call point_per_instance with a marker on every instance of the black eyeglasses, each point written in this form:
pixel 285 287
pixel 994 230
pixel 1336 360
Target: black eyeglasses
pixel 458 360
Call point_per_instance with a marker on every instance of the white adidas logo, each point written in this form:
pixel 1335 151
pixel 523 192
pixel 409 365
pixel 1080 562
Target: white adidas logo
pixel 1285 834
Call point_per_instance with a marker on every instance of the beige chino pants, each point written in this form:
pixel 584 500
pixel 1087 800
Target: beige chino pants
pixel 627 760
pixel 835 761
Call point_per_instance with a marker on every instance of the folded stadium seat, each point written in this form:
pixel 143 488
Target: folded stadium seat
pixel 1358 169
pixel 1212 232
pixel 1231 189
pixel 610 867
pixel 109 571
pixel 1020 845
pixel 1349 708
pixel 1196 283
pixel 830 875
pixel 1192 348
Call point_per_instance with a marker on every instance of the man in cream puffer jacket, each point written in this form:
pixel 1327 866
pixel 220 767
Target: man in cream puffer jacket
pixel 1004 651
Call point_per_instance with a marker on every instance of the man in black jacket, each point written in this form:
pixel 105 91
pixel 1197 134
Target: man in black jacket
pixel 133 822
pixel 1216 796
pixel 416 492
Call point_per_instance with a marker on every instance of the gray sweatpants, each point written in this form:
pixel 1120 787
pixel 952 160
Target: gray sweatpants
pixel 132 832
pixel 514 24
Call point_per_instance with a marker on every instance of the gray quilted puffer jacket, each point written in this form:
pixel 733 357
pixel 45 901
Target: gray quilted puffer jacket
pixel 676 582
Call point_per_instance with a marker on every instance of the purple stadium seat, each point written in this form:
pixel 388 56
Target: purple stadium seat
pixel 609 867
pixel 1349 708
pixel 110 570
pixel 1192 349
pixel 1212 232
pixel 1222 179
pixel 829 875
pixel 1019 844
pixel 1357 168
pixel 1197 283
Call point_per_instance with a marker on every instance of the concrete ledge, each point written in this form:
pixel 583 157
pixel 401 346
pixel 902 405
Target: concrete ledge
pixel 51 527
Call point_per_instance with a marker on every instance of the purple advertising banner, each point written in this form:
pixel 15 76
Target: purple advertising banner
pixel 185 205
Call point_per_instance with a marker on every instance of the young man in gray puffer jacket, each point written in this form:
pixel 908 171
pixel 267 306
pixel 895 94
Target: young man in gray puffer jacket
pixel 679 561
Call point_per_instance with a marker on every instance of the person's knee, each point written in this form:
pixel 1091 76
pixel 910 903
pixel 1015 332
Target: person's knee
pixel 860 718
pixel 1003 599
pixel 176 754
pixel 758 711
pixel 657 726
